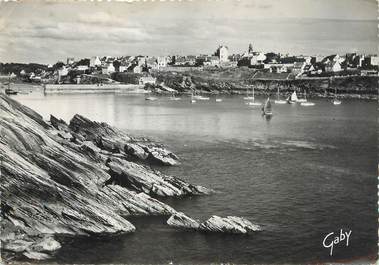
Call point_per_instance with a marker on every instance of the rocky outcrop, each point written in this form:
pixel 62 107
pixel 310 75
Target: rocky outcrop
pixel 230 224
pixel 53 184
pixel 116 141
pixel 180 220
pixel 143 179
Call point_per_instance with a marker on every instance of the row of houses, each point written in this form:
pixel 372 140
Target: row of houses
pixel 271 62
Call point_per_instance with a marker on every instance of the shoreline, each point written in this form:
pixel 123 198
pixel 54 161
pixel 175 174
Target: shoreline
pixel 328 93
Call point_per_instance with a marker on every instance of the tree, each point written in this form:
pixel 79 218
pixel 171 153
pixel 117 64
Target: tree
pixel 58 65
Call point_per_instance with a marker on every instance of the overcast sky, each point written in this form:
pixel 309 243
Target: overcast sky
pixel 45 32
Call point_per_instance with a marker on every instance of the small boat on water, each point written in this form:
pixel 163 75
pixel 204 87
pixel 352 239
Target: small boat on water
pixel 293 98
pixel 192 98
pixel 253 102
pixel 302 100
pixel 267 108
pixel 335 100
pixel 278 100
pixel 247 95
pixel 10 91
pixel 306 103
pixel 218 99
pixel 200 97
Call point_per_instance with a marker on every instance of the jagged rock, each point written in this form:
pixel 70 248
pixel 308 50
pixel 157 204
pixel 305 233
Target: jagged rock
pixel 230 224
pixel 17 245
pixel 161 155
pixel 180 220
pixel 46 244
pixel 36 255
pixel 113 140
pixel 51 185
pixel 92 130
pixel 59 124
pixel 131 175
pixel 135 150
pixel 65 135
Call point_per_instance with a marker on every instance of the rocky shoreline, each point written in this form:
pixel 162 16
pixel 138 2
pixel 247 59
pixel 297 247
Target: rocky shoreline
pixel 236 82
pixel 80 179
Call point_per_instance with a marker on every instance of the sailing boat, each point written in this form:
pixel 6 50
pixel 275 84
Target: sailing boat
pixel 335 100
pixel 267 109
pixel 280 101
pixel 247 95
pixel 254 103
pixel 218 99
pixel 293 98
pixel 302 100
pixel 192 98
pixel 306 103
pixel 200 97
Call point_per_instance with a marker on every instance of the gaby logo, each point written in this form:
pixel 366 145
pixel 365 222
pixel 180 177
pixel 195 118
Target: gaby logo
pixel 331 239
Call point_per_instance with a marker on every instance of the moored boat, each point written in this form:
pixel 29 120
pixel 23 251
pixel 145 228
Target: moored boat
pixel 293 98
pixel 306 103
pixel 335 100
pixel 248 97
pixel 278 100
pixel 9 91
pixel 267 108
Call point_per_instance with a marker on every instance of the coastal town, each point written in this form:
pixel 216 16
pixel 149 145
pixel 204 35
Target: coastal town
pixel 144 70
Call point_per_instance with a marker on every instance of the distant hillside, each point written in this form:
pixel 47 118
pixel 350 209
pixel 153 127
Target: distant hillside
pixel 8 68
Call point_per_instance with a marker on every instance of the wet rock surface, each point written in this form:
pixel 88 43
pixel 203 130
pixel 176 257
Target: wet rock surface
pixel 84 178
pixel 180 220
pixel 229 224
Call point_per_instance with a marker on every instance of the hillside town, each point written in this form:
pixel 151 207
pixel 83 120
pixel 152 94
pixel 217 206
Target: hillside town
pixel 140 69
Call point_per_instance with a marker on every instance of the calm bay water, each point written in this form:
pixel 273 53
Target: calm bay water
pixel 305 173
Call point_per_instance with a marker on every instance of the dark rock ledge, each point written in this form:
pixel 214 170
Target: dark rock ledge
pixel 81 178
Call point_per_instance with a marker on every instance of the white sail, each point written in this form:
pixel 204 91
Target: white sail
pixel 294 97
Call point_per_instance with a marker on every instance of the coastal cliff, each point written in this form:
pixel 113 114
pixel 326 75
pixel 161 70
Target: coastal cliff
pixel 82 178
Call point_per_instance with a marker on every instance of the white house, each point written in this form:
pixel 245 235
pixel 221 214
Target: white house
pixel 122 68
pixel 108 69
pixel 63 71
pixel 333 66
pixel 82 67
pixel 137 69
pixel 257 59
pixel 223 53
pixel 95 61
pixel 374 60
pixel 162 61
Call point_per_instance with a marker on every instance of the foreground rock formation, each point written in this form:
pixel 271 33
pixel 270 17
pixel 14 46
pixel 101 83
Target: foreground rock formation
pixel 229 224
pixel 81 178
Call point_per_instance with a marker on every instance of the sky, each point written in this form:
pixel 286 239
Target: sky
pixel 48 31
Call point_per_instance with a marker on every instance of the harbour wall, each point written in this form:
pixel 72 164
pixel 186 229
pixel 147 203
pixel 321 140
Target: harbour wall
pixel 93 88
